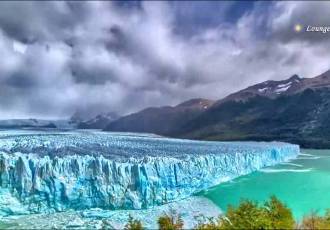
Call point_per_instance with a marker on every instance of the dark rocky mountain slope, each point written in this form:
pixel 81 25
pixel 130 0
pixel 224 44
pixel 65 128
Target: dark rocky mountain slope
pixel 164 120
pixel 295 110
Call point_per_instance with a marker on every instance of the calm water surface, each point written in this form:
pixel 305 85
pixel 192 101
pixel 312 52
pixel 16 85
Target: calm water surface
pixel 303 184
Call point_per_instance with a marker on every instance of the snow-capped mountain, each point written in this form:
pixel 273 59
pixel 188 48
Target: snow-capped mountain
pixel 296 110
pixel 273 89
pixel 270 89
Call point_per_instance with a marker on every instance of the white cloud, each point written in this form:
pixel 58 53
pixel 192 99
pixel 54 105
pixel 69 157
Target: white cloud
pixel 19 47
pixel 98 57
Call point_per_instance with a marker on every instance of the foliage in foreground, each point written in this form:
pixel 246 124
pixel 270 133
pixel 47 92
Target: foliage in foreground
pixel 133 224
pixel 249 215
pixel 314 221
pixel 273 214
pixel 171 221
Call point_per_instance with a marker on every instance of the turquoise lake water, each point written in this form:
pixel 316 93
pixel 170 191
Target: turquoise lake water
pixel 303 184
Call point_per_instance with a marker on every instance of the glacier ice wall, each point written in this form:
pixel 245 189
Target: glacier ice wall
pixel 59 171
pixel 192 210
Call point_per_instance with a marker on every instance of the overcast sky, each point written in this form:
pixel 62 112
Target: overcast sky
pixel 94 57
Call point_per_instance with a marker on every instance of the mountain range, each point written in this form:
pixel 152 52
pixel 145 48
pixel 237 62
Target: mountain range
pixel 165 120
pixel 98 122
pixel 295 110
pixel 36 123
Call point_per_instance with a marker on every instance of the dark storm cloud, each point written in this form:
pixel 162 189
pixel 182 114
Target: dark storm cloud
pixel 96 57
pixel 26 21
pixel 20 80
pixel 92 73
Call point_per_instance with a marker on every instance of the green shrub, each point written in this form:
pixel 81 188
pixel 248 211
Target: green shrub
pixel 273 214
pixel 313 221
pixel 133 224
pixel 279 215
pixel 171 221
pixel 249 215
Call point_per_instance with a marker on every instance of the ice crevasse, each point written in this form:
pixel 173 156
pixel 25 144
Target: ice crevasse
pixel 43 172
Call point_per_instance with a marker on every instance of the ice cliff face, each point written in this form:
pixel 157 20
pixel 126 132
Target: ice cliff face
pixel 59 171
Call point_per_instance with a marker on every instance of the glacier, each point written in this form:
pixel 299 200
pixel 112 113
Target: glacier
pixel 49 171
pixel 193 210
